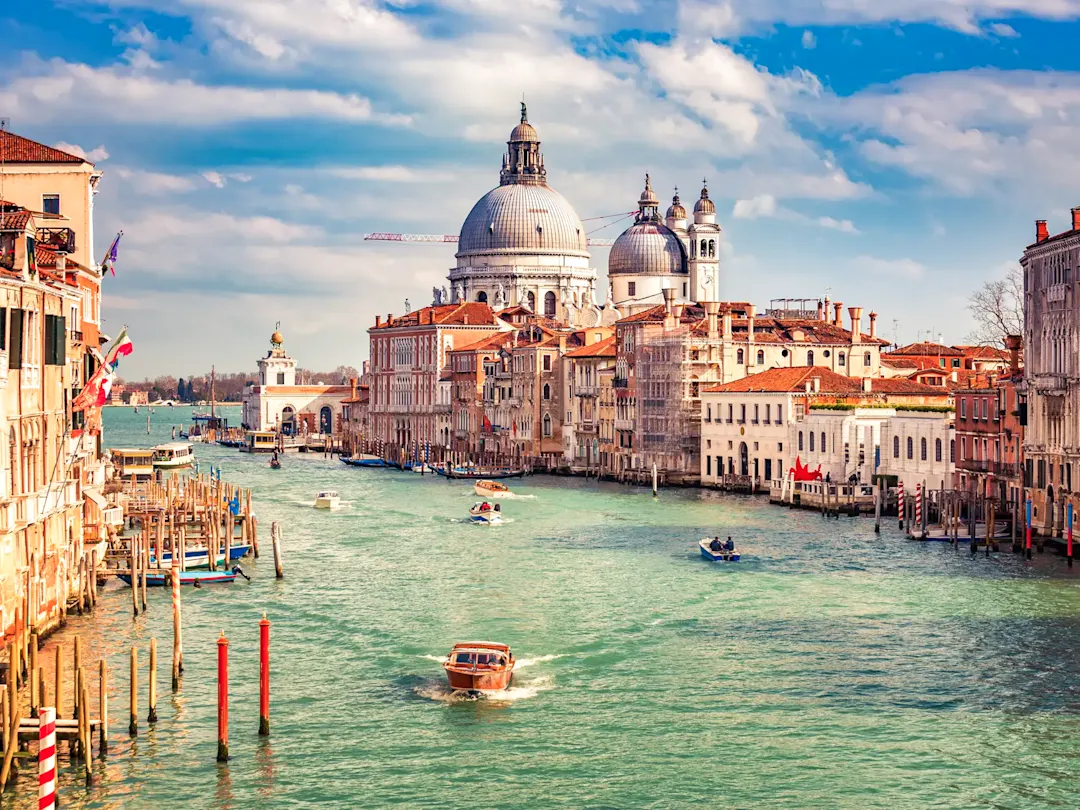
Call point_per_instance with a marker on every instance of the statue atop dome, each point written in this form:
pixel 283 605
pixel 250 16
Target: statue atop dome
pixel 523 164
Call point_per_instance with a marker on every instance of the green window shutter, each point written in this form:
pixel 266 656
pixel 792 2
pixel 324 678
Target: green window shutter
pixel 50 340
pixel 15 339
pixel 61 340
pixel 3 327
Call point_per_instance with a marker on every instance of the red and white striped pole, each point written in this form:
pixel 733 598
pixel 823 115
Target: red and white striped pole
pixel 900 502
pixel 47 758
pixel 918 507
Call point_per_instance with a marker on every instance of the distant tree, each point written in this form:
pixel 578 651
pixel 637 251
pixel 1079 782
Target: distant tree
pixel 181 390
pixel 998 309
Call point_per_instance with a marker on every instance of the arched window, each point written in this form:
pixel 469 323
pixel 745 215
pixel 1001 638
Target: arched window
pixel 952 450
pixel 809 358
pixel 823 441
pixel 530 301
pixel 712 248
pixel 922 448
pixel 937 450
pixel 693 249
pixel 547 425
pixel 761 357
pixel 896 447
pixel 481 297
pixel 910 448
pixel 704 249
pixel 547 391
pixel 841 359
pixel 549 304
pixel 739 357
pixel 866 359
pixel 811 441
pixel 800 440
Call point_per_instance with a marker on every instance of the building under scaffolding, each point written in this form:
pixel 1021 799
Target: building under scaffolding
pixel 668 409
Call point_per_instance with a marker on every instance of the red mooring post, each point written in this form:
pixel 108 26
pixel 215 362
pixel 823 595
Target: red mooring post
pixel 1069 519
pixel 223 698
pixel 1027 531
pixel 264 676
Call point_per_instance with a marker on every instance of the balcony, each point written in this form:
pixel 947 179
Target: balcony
pixel 586 390
pixel 621 383
pixel 587 427
pixel 999 468
pixel 76 336
pixel 62 240
pixel 1052 384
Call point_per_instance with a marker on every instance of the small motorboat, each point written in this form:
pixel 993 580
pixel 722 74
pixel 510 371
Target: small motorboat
pixel 327 499
pixel 199 557
pixel 492 489
pixel 726 553
pixel 486 513
pixel 479 666
pixel 363 460
pixel 159 579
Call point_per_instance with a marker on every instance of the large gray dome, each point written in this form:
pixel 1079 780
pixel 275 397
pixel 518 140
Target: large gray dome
pixel 648 248
pixel 516 218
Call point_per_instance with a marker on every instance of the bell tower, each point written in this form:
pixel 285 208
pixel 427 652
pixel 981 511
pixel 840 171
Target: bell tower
pixel 704 238
pixel 277 368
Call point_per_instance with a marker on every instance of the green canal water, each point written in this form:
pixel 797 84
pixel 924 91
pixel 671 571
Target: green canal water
pixel 829 669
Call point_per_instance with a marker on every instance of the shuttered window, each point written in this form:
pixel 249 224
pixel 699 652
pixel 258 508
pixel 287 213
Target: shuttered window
pixel 15 339
pixel 3 327
pixel 55 340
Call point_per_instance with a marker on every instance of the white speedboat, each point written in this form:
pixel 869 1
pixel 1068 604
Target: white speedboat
pixel 486 514
pixel 327 499
pixel 492 489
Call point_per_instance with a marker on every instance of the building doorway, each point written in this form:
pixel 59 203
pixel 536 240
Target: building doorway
pixel 326 420
pixel 744 460
pixel 768 469
pixel 288 421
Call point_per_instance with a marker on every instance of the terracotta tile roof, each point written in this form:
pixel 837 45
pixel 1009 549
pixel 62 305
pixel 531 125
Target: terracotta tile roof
pixel 786 380
pixel 470 313
pixel 490 342
pixel 926 349
pixel 898 362
pixel 17 149
pixel 984 352
pixel 15 220
pixel 603 348
pixel 903 385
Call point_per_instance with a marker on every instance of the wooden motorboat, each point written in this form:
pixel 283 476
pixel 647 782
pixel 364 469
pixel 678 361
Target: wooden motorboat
pixel 479 666
pixel 724 554
pixel 491 489
pixel 485 513
pixel 199 557
pixel 159 579
pixel 363 461
pixel 327 499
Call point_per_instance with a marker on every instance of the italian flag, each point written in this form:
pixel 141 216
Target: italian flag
pixel 121 348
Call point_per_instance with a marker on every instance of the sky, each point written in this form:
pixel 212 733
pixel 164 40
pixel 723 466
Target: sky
pixel 891 154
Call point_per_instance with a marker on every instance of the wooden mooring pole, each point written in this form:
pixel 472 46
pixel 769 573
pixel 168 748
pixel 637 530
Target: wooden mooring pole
pixel 275 541
pixel 133 724
pixel 151 716
pixel 103 704
pixel 223 698
pixel 178 655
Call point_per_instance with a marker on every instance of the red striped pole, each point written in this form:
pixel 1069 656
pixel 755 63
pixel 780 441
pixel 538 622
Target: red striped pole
pixel 900 502
pixel 918 507
pixel 47 759
pixel 223 698
pixel 1027 531
pixel 264 676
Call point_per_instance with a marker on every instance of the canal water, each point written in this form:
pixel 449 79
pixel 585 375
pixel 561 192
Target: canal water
pixel 828 669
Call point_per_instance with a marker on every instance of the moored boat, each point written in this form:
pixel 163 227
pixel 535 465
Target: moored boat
pixel 363 460
pixel 485 513
pixel 196 578
pixel 492 489
pixel 479 473
pixel 200 558
pixel 479 666
pixel 725 553
pixel 327 499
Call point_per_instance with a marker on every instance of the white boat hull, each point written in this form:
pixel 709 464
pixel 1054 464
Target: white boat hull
pixel 327 503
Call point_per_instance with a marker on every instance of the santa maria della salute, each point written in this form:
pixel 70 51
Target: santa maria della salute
pixel 523 245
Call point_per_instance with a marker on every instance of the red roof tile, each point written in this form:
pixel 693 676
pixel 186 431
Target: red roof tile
pixel 984 352
pixel 490 342
pixel 786 380
pixel 15 220
pixel 17 149
pixel 602 348
pixel 469 313
pixel 926 349
pixel 898 362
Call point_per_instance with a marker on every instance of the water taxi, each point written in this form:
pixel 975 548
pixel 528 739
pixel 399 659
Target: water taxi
pixel 725 553
pixel 479 666
pixel 173 455
pixel 327 499
pixel 492 489
pixel 486 514
pixel 259 441
pixel 133 462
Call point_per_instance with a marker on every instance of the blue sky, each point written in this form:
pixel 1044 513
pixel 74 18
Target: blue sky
pixel 893 153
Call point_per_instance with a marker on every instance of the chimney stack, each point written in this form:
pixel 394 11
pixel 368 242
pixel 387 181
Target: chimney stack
pixel 825 314
pixel 1076 219
pixel 867 385
pixel 669 300
pixel 378 321
pixel 711 310
pixel 1012 343
pixel 352 383
pixel 820 311
pixel 1041 234
pixel 817 385
pixel 838 308
pixel 873 324
pixel 727 324
pixel 856 323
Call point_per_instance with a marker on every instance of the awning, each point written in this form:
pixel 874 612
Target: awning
pixel 97 498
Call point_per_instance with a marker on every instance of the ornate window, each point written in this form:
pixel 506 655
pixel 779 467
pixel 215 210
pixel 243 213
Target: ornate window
pixel 547 391
pixel 549 304
pixel 712 248
pixel 811 441
pixel 842 359
pixel 761 357
pixel 530 301
pixel 800 440
pixel 823 441
pixel 739 357
pixel 937 450
pixel 910 448
pixel 809 358
pixel 481 297
pixel 896 447
pixel 922 448
pixel 547 426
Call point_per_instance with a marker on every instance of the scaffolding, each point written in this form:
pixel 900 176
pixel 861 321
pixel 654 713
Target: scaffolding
pixel 668 413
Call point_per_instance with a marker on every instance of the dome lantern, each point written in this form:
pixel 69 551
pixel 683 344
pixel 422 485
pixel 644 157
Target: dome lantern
pixel 704 205
pixel 676 211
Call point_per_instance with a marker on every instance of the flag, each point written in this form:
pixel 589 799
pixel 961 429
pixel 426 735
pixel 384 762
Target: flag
pixel 96 392
pixel 121 347
pixel 110 255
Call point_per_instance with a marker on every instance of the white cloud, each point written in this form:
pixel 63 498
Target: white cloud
pixel 809 41
pixel 155 183
pixel 96 155
pixel 842 225
pixel 215 179
pixel 387 174
pixel 891 268
pixel 1003 30
pixel 764 205
pixel 62 90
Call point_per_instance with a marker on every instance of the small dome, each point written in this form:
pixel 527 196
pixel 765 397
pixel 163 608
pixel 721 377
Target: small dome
pixel 648 198
pixel 277 338
pixel 676 211
pixel 704 205
pixel 648 248
pixel 524 132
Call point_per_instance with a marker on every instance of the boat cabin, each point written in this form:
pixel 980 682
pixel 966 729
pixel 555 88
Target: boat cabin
pixel 134 462
pixel 480 654
pixel 174 454
pixel 261 441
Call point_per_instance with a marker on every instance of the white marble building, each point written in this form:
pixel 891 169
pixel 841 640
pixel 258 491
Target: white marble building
pixel 919 448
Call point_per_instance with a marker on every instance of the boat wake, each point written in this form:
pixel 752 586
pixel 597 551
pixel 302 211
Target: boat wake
pixel 519 690
pixel 522 663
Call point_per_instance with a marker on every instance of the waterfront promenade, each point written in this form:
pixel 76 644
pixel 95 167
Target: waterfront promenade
pixel 830 669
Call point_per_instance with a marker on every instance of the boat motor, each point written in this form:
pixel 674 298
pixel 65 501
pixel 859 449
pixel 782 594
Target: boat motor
pixel 238 570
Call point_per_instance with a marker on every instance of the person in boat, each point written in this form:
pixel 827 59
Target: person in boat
pixel 485 507
pixel 729 545
pixel 715 545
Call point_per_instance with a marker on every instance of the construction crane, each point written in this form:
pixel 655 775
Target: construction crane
pixel 434 237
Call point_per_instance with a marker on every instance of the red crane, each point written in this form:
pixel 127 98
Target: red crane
pixel 434 237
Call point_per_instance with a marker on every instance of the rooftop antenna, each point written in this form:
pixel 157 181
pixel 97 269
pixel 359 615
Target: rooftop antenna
pixel 896 332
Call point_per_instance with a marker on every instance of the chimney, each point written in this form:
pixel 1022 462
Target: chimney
pixel 1076 219
pixel 1041 234
pixel 838 308
pixel 669 298
pixel 867 385
pixel 61 261
pixel 677 311
pixel 809 387
pixel 820 311
pixel 953 375
pixel 817 385
pixel 1012 343
pixel 378 321
pixel 727 324
pixel 711 310
pixel 825 311
pixel 873 324
pixel 352 383
pixel 856 322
